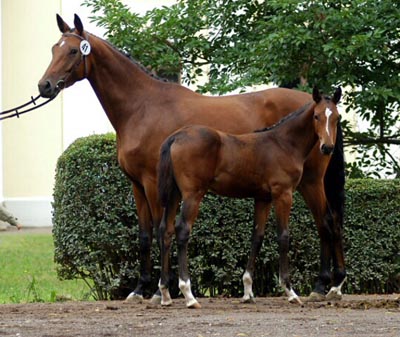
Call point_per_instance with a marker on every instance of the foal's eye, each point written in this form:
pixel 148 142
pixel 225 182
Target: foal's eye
pixel 74 51
pixel 316 117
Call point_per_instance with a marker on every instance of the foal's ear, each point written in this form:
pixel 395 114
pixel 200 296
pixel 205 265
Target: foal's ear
pixel 337 95
pixel 78 24
pixel 62 26
pixel 316 95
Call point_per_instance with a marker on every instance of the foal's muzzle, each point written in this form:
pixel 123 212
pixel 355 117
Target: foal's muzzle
pixel 327 149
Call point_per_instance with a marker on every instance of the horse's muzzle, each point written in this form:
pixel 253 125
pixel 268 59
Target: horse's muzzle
pixel 327 149
pixel 48 90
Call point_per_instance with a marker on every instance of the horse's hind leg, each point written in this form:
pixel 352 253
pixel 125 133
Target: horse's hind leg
pixel 314 196
pixel 189 212
pixel 339 271
pixel 166 231
pixel 261 212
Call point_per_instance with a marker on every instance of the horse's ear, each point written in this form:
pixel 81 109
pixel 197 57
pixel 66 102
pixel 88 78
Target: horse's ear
pixel 78 24
pixel 316 95
pixel 62 26
pixel 337 95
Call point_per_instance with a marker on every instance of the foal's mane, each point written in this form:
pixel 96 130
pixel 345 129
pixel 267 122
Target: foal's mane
pixel 292 115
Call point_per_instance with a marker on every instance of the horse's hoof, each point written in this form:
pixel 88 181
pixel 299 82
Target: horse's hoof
pixel 249 299
pixel 133 297
pixel 195 305
pixel 316 297
pixel 156 299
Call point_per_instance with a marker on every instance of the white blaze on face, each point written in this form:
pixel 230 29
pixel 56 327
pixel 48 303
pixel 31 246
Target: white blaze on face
pixel 328 113
pixel 62 43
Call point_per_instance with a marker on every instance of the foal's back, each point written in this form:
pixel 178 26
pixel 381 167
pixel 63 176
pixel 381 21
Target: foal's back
pixel 231 165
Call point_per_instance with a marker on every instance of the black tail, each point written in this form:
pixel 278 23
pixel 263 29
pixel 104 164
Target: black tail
pixel 166 181
pixel 335 178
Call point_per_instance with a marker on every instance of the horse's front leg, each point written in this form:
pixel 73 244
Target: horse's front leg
pixel 145 241
pixel 283 203
pixel 261 212
pixel 189 212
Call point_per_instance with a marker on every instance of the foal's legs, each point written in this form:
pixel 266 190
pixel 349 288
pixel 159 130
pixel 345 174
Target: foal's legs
pixel 261 212
pixel 189 212
pixel 282 202
pixel 166 232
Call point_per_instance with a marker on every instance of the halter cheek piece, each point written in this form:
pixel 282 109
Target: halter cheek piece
pixel 85 50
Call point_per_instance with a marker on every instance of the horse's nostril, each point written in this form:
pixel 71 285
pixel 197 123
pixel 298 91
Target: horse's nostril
pixel 48 85
pixel 46 89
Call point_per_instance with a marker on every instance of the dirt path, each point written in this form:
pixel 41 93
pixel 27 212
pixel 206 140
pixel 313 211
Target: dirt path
pixel 371 315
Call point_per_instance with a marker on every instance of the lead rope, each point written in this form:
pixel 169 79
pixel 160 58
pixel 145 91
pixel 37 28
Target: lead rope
pixel 16 111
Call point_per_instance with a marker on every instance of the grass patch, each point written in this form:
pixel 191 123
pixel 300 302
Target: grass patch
pixel 28 272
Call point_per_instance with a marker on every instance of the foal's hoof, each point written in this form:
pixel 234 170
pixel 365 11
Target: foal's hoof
pixel 134 297
pixel 295 300
pixel 316 297
pixel 334 296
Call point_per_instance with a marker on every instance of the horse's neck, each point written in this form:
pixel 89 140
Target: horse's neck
pixel 298 133
pixel 120 84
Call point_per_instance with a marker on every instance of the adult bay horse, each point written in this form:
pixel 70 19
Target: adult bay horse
pixel 266 166
pixel 144 111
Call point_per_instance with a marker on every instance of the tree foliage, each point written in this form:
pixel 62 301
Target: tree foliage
pixel 234 44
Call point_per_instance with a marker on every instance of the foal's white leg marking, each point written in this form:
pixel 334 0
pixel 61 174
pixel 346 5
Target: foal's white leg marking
pixel 328 113
pixel 290 293
pixel 186 290
pixel 248 291
pixel 166 299
pixel 335 293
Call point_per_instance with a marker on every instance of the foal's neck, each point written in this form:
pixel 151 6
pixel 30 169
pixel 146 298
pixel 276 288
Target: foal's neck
pixel 298 132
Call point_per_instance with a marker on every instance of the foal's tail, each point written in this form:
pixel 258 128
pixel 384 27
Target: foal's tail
pixel 335 178
pixel 167 186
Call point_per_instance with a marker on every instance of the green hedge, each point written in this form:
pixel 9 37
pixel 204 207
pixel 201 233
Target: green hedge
pixel 96 233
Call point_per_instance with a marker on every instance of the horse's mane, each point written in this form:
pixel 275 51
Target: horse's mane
pixel 292 115
pixel 129 56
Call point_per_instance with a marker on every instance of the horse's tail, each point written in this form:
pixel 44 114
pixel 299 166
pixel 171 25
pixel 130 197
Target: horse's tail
pixel 167 186
pixel 335 179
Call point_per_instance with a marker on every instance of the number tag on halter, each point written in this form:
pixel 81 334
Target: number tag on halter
pixel 85 47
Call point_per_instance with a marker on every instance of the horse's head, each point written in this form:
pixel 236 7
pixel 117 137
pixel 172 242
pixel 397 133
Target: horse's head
pixel 326 117
pixel 69 63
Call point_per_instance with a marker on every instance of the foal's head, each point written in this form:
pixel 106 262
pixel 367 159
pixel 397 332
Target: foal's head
pixel 69 63
pixel 326 117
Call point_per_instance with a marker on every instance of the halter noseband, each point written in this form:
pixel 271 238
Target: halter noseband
pixel 84 50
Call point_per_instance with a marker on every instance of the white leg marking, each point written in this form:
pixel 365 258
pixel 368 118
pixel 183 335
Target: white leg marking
pixel 186 290
pixel 166 299
pixel 328 113
pixel 248 283
pixel 134 297
pixel 335 293
pixel 290 293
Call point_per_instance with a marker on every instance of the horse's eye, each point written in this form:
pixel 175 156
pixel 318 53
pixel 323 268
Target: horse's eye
pixel 73 51
pixel 316 117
